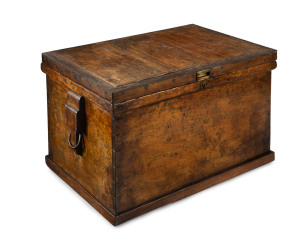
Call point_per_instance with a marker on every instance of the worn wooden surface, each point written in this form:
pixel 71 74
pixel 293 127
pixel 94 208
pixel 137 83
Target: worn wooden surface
pixel 93 170
pixel 177 142
pixel 197 187
pixel 162 95
pixel 81 190
pixel 112 68
pixel 68 84
pixel 173 197
pixel 154 132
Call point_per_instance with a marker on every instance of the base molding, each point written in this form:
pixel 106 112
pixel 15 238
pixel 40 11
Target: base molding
pixel 172 197
pixel 80 190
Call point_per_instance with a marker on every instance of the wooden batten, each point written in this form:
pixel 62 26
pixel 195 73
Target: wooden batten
pixel 133 98
pixel 148 86
pixel 195 86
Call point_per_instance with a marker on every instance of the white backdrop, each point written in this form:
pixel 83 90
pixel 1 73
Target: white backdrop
pixel 35 203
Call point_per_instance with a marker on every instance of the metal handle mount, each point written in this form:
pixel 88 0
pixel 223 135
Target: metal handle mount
pixel 75 119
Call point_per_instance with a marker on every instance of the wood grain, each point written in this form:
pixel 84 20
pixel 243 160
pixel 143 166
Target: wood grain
pixel 197 187
pixel 174 143
pixel 67 83
pixel 81 190
pixel 120 108
pixel 94 168
pixel 142 60
pixel 166 199
pixel 154 131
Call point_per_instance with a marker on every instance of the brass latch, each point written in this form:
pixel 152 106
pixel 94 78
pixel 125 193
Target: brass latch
pixel 75 119
pixel 203 75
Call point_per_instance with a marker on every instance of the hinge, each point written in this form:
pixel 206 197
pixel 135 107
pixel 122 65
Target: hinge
pixel 203 75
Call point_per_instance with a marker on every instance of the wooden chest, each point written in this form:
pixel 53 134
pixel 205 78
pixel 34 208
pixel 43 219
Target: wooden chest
pixel 142 121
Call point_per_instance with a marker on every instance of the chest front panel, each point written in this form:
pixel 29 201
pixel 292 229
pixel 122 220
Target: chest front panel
pixel 175 143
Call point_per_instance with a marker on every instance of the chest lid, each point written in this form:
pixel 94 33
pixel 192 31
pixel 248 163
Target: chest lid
pixel 126 68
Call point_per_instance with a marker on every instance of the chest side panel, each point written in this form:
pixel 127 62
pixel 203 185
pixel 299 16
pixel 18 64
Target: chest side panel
pixel 92 170
pixel 166 146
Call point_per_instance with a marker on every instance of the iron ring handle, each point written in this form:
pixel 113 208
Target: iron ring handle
pixel 78 143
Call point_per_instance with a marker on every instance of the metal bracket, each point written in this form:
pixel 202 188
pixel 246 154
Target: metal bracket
pixel 75 120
